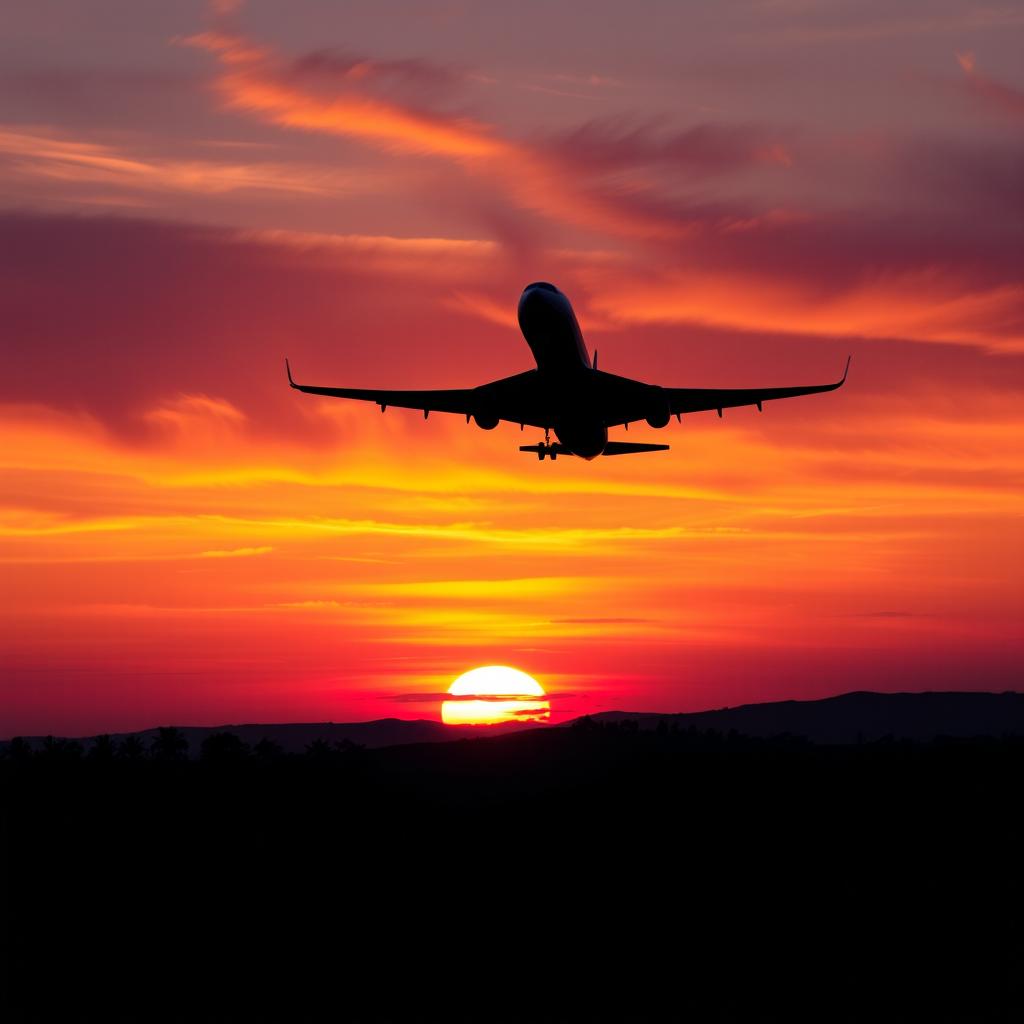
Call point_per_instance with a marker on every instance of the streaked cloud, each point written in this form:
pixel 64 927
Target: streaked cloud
pixel 923 305
pixel 40 153
pixel 236 552
pixel 258 82
pixel 990 92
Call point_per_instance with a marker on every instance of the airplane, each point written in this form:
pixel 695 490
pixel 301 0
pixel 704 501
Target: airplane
pixel 567 393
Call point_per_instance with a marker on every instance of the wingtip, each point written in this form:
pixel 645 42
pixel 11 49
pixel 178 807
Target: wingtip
pixel 288 369
pixel 846 370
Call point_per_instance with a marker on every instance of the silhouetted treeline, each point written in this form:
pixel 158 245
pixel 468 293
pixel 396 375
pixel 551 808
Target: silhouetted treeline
pixel 169 745
pixel 597 872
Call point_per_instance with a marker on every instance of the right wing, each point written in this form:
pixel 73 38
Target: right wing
pixel 517 399
pixel 624 400
pixel 682 400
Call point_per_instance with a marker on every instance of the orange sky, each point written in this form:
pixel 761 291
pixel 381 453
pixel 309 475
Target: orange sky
pixel 186 540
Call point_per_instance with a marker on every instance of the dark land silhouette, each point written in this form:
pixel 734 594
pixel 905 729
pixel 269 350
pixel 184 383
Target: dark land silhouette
pixel 859 717
pixel 600 871
pixel 848 718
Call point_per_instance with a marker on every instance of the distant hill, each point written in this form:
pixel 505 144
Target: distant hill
pixel 862 716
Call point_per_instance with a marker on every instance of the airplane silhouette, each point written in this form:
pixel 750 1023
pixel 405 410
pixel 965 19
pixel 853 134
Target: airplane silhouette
pixel 567 393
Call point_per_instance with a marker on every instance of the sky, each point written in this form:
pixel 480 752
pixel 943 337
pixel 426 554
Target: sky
pixel 735 194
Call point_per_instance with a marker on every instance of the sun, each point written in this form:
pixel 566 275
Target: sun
pixel 493 694
pixel 495 681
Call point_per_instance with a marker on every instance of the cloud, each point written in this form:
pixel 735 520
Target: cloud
pixel 594 80
pixel 236 552
pixel 410 76
pixel 704 149
pixel 816 23
pixel 888 614
pixel 926 304
pixel 430 698
pixel 839 276
pixel 967 186
pixel 931 274
pixel 180 329
pixel 990 92
pixel 384 252
pixel 602 620
pixel 42 154
pixel 256 81
pixel 179 412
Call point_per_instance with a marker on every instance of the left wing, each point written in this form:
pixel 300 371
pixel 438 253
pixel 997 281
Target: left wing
pixel 460 401
pixel 518 399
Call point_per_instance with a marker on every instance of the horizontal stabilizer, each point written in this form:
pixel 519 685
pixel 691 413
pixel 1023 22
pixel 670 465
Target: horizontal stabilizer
pixel 545 449
pixel 628 448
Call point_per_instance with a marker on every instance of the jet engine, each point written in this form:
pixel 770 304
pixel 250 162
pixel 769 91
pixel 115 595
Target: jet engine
pixel 485 420
pixel 658 412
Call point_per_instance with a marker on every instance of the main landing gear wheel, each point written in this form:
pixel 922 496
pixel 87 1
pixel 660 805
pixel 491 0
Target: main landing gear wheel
pixel 547 448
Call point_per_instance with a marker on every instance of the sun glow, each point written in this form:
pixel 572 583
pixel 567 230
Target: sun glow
pixel 496 694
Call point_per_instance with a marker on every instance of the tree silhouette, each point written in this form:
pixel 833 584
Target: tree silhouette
pixel 56 749
pixel 319 750
pixel 169 745
pixel 131 748
pixel 102 750
pixel 19 750
pixel 223 748
pixel 268 750
pixel 342 751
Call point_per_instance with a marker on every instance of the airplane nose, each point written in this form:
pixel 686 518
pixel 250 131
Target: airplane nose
pixel 540 286
pixel 536 297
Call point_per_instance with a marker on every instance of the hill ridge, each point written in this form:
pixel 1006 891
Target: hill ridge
pixel 855 716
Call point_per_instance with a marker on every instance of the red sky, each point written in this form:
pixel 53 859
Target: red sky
pixel 731 194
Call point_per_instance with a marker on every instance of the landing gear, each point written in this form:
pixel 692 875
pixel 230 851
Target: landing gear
pixel 547 448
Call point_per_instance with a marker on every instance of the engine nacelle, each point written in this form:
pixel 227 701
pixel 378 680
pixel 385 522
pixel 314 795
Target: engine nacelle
pixel 485 420
pixel 658 413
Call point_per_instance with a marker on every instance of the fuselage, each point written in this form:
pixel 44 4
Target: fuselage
pixel 550 328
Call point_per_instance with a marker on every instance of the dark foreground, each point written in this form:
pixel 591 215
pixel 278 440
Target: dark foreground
pixel 597 872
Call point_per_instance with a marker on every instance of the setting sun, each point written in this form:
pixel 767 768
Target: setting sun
pixel 495 694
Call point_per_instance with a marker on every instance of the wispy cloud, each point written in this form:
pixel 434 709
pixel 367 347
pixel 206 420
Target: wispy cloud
pixel 926 304
pixel 730 263
pixel 257 81
pixel 236 552
pixel 443 695
pixel 990 92
pixel 42 153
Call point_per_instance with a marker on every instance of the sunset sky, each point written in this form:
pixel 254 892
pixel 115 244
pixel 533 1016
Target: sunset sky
pixel 731 194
